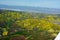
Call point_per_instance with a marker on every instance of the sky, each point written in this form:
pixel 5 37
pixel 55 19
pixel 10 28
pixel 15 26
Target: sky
pixel 34 3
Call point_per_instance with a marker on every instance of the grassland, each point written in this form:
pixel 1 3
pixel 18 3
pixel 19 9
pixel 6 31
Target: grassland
pixel 20 25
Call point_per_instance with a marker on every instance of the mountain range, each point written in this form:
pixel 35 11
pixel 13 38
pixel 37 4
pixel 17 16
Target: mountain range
pixel 30 9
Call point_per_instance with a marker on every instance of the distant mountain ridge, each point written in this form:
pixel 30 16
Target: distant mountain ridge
pixel 30 9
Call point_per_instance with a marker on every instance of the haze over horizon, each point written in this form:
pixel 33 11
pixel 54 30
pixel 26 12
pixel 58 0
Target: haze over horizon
pixel 34 3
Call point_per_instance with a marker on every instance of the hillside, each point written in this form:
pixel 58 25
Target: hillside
pixel 28 25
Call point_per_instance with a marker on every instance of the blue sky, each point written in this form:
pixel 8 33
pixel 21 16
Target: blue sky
pixel 35 3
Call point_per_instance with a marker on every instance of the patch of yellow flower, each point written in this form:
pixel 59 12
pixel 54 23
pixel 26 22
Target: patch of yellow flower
pixel 5 33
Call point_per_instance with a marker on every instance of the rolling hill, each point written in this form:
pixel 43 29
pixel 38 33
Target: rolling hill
pixel 31 9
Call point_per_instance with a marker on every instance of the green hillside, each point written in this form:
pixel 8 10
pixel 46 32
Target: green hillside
pixel 20 25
